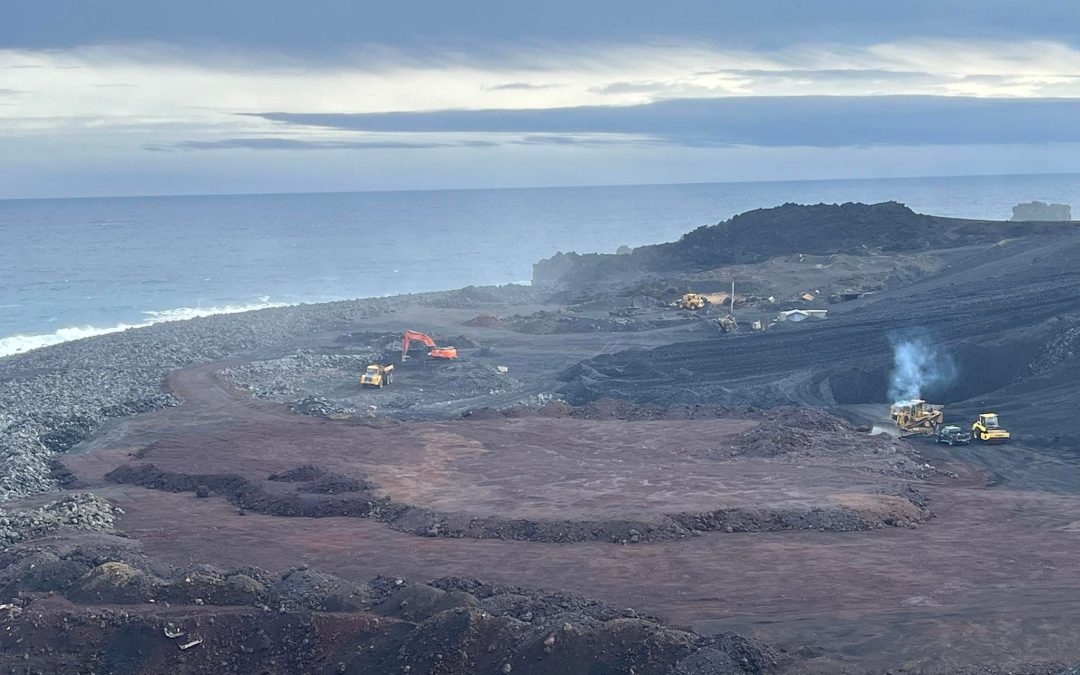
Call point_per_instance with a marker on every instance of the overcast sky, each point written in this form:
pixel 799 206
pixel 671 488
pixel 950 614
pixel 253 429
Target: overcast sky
pixel 118 97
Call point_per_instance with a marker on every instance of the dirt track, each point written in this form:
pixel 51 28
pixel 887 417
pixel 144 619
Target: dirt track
pixel 931 597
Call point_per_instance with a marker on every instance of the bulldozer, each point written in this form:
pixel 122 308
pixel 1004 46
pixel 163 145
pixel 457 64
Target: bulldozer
pixel 728 324
pixel 378 375
pixel 916 418
pixel 989 430
pixel 691 301
pixel 434 351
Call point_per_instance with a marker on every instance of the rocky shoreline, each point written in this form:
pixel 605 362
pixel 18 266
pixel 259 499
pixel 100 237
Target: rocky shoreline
pixel 55 397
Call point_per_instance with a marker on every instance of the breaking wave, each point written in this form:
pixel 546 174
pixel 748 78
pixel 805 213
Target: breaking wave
pixel 19 344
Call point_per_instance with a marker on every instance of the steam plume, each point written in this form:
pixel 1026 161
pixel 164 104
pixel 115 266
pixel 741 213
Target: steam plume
pixel 918 365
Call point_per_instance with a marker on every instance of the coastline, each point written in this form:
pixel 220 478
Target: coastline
pixel 54 397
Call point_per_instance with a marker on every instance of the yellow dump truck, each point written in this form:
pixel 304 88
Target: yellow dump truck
pixel 916 418
pixel 378 375
pixel 989 430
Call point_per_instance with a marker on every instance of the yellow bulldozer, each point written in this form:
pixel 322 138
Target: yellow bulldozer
pixel 378 375
pixel 916 418
pixel 691 301
pixel 989 430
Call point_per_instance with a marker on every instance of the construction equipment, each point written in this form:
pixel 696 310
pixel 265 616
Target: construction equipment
pixel 988 430
pixel 378 375
pixel 728 324
pixel 434 351
pixel 916 418
pixel 953 435
pixel 691 301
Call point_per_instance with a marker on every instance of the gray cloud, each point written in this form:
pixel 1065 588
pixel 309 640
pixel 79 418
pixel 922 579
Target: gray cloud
pixel 813 121
pixel 590 140
pixel 852 74
pixel 514 86
pixel 297 144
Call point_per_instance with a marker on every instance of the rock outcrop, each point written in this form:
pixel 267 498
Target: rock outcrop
pixel 1041 211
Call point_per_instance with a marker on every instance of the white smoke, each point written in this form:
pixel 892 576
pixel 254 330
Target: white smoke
pixel 918 365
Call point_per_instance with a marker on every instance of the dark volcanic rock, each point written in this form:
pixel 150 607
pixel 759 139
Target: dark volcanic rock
pixel 758 235
pixel 126 614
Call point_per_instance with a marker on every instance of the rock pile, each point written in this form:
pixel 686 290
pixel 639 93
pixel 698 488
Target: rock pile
pixel 320 406
pixel 254 621
pixel 84 511
pixel 283 379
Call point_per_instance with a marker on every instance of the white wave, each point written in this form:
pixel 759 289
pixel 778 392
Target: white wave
pixel 19 344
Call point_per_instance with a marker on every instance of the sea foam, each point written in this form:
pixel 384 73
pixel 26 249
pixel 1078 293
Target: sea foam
pixel 19 344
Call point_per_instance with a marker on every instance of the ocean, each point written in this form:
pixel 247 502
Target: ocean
pixel 72 268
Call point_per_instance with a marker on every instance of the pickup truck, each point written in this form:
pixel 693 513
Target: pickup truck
pixel 953 435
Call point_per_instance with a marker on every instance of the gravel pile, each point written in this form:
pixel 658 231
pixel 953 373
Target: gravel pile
pixel 84 511
pixel 285 379
pixel 320 406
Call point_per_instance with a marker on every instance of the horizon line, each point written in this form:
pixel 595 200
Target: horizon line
pixel 537 187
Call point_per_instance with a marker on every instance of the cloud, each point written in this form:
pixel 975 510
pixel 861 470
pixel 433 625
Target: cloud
pixel 520 86
pixel 217 105
pixel 178 84
pixel 298 144
pixel 677 89
pixel 823 121
pixel 585 140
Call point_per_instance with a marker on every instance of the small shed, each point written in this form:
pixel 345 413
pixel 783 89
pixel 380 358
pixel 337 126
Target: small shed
pixel 801 314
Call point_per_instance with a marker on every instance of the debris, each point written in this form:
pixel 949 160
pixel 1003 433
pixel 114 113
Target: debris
pixel 195 642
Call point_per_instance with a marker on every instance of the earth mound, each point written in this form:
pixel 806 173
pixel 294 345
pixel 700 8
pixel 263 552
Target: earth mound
pixel 134 616
pixel 755 236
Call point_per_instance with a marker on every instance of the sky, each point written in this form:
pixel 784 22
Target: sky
pixel 140 97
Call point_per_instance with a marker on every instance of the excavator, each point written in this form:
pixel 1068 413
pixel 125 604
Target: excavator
pixel 434 351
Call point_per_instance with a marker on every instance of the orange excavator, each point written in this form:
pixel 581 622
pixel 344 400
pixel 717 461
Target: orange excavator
pixel 434 351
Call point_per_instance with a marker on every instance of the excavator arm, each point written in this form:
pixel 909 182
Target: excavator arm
pixel 448 353
pixel 415 335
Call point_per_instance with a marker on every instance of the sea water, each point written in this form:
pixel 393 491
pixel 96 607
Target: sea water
pixel 71 268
